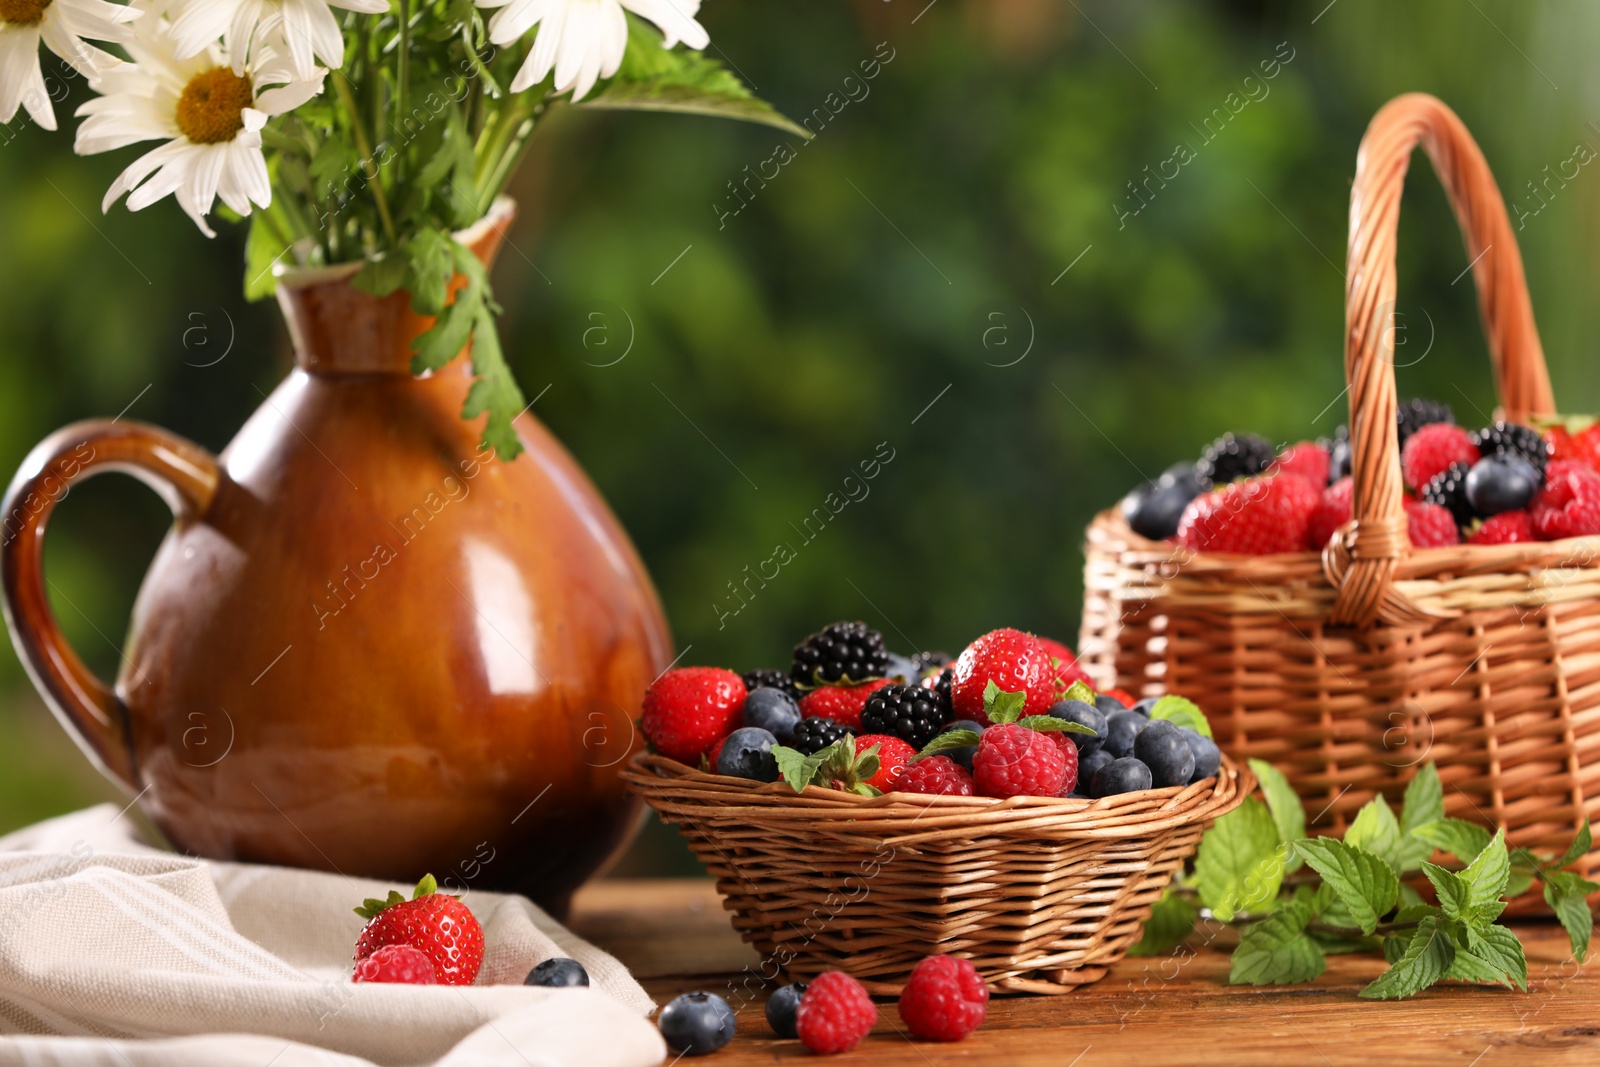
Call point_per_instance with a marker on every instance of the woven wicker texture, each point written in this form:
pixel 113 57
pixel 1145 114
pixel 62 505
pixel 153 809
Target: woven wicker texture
pixel 1041 894
pixel 1349 669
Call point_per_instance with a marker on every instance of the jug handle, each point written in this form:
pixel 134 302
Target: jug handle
pixel 185 475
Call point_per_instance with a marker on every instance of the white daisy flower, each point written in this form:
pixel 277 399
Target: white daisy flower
pixel 584 39
pixel 209 116
pixel 306 29
pixel 62 25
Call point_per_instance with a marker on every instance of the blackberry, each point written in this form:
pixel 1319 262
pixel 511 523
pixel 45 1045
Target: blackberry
pixel 1233 456
pixel 1511 439
pixel 929 660
pixel 1418 412
pixel 769 678
pixel 845 651
pixel 941 685
pixel 911 713
pixel 1338 450
pixel 1449 490
pixel 814 735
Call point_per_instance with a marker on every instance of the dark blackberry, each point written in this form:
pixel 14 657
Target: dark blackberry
pixel 1449 490
pixel 769 678
pixel 1338 450
pixel 909 712
pixel 1418 412
pixel 1512 439
pixel 845 651
pixel 1233 456
pixel 814 735
pixel 942 684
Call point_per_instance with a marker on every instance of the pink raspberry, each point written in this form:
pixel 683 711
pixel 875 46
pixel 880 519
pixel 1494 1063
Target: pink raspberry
pixel 1506 528
pixel 1569 503
pixel 834 1014
pixel 936 776
pixel 1331 512
pixel 1014 761
pixel 944 999
pixel 397 963
pixel 1430 525
pixel 1307 459
pixel 1431 450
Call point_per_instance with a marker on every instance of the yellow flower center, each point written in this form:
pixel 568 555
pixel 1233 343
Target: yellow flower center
pixel 210 110
pixel 23 12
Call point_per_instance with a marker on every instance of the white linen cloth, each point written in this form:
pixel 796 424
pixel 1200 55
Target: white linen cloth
pixel 119 954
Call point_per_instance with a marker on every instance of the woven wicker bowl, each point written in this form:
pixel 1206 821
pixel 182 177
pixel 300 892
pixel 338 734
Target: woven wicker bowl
pixel 1042 895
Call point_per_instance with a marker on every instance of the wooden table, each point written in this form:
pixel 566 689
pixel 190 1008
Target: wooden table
pixel 1176 1010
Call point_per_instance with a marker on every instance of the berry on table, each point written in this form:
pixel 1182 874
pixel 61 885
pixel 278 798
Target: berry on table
pixel 688 710
pixel 841 703
pixel 558 972
pixel 747 753
pixel 1084 715
pixel 945 999
pixel 1258 516
pixel 397 963
pixel 1162 748
pixel 937 776
pixel 439 925
pixel 769 678
pixel 781 1008
pixel 1014 661
pixel 774 711
pixel 909 712
pixel 835 1014
pixel 813 735
pixel 1233 456
pixel 697 1023
pixel 1307 459
pixel 1431 451
pixel 1013 761
pixel 1449 490
pixel 893 757
pixel 845 652
pixel 1501 482
pixel 1510 438
pixel 1126 775
pixel 1207 757
pixel 1122 729
pixel 1429 525
pixel 1509 527
pixel 1332 511
pixel 1569 504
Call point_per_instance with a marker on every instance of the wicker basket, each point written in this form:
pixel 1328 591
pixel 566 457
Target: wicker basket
pixel 1041 894
pixel 1349 669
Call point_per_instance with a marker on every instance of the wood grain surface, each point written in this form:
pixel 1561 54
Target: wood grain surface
pixel 1175 1010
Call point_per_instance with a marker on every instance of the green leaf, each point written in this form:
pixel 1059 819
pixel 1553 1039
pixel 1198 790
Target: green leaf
pixel 425 888
pixel 1427 959
pixel 1365 884
pixel 1376 831
pixel 1520 881
pixel 1080 690
pixel 1486 875
pixel 1049 724
pixel 1394 947
pixel 1181 711
pixel 431 266
pixel 1463 840
pixel 1240 863
pixel 949 741
pixel 263 250
pixel 1171 920
pixel 382 274
pixel 1284 803
pixel 1580 847
pixel 1276 950
pixel 1566 894
pixel 1423 803
pixel 1494 956
pixel 1002 707
pixel 1455 895
pixel 495 391
pixel 795 766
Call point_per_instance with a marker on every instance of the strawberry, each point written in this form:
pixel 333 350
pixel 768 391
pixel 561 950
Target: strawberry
pixel 1582 445
pixel 841 703
pixel 1307 459
pixel 1331 512
pixel 893 756
pixel 439 925
pixel 1431 450
pixel 1014 661
pixel 1569 503
pixel 1065 668
pixel 688 710
pixel 1257 517
pixel 1508 527
pixel 1430 525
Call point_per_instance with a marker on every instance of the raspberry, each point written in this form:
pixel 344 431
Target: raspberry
pixel 1233 456
pixel 1569 503
pixel 689 710
pixel 1014 761
pixel 1508 527
pixel 841 703
pixel 1012 660
pixel 1430 525
pixel 1257 517
pixel 937 776
pixel 893 755
pixel 847 652
pixel 944 999
pixel 909 712
pixel 835 1013
pixel 397 963
pixel 1307 459
pixel 1331 512
pixel 1583 446
pixel 1432 449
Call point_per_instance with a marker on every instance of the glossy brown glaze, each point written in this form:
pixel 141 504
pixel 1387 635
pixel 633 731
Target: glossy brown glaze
pixel 365 646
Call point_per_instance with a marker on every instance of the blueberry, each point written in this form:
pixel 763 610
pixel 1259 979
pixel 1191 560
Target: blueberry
pixel 1207 757
pixel 1501 482
pixel 1084 715
pixel 747 753
pixel 902 669
pixel 964 756
pixel 558 972
pixel 1121 728
pixel 781 1008
pixel 1161 747
pixel 1153 509
pixel 1109 705
pixel 1126 775
pixel 697 1023
pixel 774 711
pixel 1144 706
pixel 1088 764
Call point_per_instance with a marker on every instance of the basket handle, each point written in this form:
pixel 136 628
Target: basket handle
pixel 1360 562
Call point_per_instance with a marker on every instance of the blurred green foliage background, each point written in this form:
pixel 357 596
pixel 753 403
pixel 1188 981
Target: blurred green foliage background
pixel 915 253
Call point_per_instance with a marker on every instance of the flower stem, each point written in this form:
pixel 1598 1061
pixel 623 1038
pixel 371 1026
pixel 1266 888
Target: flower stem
pixel 403 73
pixel 341 86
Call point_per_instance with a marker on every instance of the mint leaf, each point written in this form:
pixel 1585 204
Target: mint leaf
pixel 1365 884
pixel 1240 863
pixel 795 766
pixel 1284 803
pixel 1276 950
pixel 1049 724
pixel 1002 707
pixel 1486 876
pixel 1579 847
pixel 1376 831
pixel 1423 803
pixel 1494 956
pixel 1080 690
pixel 1566 894
pixel 1455 897
pixel 1171 920
pixel 949 741
pixel 1182 712
pixel 1519 882
pixel 1463 840
pixel 1427 958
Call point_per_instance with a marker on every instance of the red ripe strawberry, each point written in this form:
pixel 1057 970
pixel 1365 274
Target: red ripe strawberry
pixel 397 963
pixel 689 710
pixel 1582 446
pixel 936 776
pixel 1430 451
pixel 1307 459
pixel 1255 517
pixel 1012 660
pixel 439 925
pixel 841 703
pixel 1569 503
pixel 944 999
pixel 1506 528
pixel 1014 761
pixel 893 755
pixel 1121 696
pixel 835 1013
pixel 1331 512
pixel 1430 525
